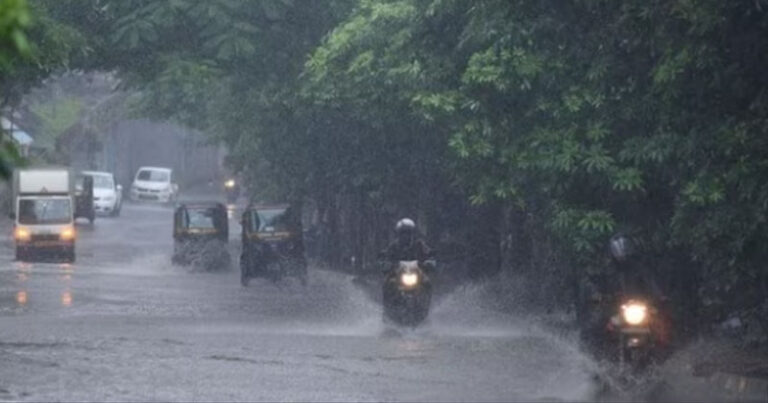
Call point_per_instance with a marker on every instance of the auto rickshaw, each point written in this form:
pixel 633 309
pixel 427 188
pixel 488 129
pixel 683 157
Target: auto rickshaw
pixel 272 244
pixel 201 234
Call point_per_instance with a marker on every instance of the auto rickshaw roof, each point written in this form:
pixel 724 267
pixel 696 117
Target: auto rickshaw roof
pixel 272 206
pixel 202 205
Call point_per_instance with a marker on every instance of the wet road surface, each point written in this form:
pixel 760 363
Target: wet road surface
pixel 122 323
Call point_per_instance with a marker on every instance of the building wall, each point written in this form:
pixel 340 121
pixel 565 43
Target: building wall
pixel 135 143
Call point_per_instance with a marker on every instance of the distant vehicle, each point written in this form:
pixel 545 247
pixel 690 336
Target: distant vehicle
pixel 154 184
pixel 107 195
pixel 232 190
pixel 84 198
pixel 272 244
pixel 43 213
pixel 201 235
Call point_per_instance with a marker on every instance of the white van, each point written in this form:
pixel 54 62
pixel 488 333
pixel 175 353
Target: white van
pixel 43 213
pixel 154 184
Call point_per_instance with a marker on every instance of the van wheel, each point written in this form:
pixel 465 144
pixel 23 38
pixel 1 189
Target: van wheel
pixel 70 256
pixel 21 255
pixel 244 278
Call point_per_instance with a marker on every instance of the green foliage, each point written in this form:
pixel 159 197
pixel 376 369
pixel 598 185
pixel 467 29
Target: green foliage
pixel 14 19
pixel 56 116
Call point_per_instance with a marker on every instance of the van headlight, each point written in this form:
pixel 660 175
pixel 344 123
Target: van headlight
pixel 22 234
pixel 634 313
pixel 409 279
pixel 67 234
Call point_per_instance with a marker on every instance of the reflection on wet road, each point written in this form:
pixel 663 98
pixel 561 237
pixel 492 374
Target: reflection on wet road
pixel 123 323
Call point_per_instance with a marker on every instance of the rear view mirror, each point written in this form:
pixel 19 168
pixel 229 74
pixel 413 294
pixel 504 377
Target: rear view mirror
pixel 119 188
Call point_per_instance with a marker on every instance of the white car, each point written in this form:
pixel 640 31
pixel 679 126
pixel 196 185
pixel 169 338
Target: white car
pixel 107 195
pixel 154 184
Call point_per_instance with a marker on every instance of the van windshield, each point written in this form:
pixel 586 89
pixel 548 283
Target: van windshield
pixel 153 176
pixel 45 211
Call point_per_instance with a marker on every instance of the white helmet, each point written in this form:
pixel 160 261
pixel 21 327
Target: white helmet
pixel 405 224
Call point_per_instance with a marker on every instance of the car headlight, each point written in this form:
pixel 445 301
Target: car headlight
pixel 409 279
pixel 67 234
pixel 230 183
pixel 22 234
pixel 634 313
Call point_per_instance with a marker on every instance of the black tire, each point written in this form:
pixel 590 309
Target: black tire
pixel 70 256
pixel 244 278
pixel 21 256
pixel 244 275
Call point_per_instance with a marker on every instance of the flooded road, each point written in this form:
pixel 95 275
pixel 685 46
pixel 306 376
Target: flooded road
pixel 122 323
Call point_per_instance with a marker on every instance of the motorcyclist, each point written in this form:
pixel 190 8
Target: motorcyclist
pixel 637 280
pixel 600 294
pixel 634 277
pixel 407 246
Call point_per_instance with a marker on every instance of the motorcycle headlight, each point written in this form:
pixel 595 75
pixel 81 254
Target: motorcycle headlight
pixel 409 279
pixel 634 313
pixel 230 183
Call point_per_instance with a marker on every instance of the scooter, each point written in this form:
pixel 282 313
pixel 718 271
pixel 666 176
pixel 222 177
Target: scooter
pixel 232 191
pixel 407 293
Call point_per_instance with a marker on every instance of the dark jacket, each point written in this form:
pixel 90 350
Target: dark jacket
pixel 417 250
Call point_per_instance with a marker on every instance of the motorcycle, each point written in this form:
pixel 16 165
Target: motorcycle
pixel 637 340
pixel 407 293
pixel 232 191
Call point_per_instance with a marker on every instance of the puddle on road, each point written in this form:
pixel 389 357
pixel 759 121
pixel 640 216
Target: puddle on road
pixel 22 293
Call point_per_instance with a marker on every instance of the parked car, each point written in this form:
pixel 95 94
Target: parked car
pixel 107 195
pixel 154 184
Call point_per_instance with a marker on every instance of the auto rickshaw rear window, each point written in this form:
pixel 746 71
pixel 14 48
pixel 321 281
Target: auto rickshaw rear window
pixel 270 220
pixel 201 218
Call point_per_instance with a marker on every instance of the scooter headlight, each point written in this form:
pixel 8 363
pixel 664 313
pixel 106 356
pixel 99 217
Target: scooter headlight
pixel 409 279
pixel 634 313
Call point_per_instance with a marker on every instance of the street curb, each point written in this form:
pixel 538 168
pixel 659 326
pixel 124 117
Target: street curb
pixel 741 388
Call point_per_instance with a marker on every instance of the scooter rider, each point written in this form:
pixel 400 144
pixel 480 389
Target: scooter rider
pixel 600 294
pixel 407 246
pixel 636 279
